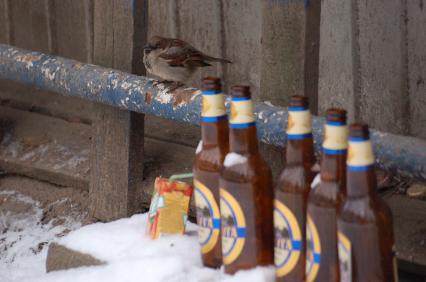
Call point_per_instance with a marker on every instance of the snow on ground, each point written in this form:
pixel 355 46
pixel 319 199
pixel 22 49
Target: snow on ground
pixel 130 254
pixel 23 237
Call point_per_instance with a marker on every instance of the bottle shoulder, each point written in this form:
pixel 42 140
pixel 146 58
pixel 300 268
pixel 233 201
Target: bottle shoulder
pixel 294 179
pixel 209 159
pixel 361 210
pixel 245 166
pixel 326 194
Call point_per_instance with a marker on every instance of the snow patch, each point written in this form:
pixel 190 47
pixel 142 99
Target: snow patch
pixel 316 181
pixel 132 256
pixel 24 239
pixel 232 159
pixel 199 147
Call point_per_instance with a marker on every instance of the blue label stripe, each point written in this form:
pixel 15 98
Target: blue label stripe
pixel 333 151
pixel 336 123
pixel 241 98
pixel 299 136
pixel 360 168
pixel 242 125
pixel 214 119
pixel 296 245
pixel 216 223
pixel 211 92
pixel 241 232
pixel 297 109
pixel 358 139
pixel 317 258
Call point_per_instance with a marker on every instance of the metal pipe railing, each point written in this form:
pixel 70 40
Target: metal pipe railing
pixel 395 153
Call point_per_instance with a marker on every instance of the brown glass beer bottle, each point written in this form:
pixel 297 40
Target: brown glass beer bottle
pixel 365 229
pixel 208 163
pixel 291 194
pixel 246 194
pixel 322 259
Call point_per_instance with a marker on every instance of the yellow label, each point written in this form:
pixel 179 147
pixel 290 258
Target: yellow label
pixel 213 105
pixel 313 250
pixel 335 137
pixel 299 122
pixel 288 239
pixel 360 154
pixel 208 217
pixel 242 112
pixel 345 257
pixel 233 225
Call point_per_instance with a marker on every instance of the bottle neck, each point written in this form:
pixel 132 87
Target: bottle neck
pixel 361 176
pixel 214 121
pixel 333 159
pixel 214 134
pixel 242 132
pixel 333 167
pixel 299 148
pixel 243 140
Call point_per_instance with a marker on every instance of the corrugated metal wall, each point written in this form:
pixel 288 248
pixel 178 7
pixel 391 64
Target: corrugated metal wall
pixel 372 57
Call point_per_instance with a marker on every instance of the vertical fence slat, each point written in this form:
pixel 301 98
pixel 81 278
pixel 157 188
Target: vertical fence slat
pixel 161 18
pixel 29 25
pixel 383 99
pixel 243 28
pixel 70 30
pixel 416 21
pixel 117 143
pixel 283 49
pixel 4 21
pixel 336 71
pixel 202 30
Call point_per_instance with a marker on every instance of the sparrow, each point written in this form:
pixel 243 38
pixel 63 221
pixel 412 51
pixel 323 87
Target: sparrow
pixel 174 59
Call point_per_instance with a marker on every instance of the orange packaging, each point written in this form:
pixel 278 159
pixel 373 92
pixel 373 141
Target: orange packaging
pixel 169 207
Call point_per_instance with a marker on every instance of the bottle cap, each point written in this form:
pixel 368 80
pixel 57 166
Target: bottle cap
pixel 211 84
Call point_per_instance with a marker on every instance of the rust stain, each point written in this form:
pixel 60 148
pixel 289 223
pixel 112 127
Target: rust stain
pixel 148 98
pixel 182 96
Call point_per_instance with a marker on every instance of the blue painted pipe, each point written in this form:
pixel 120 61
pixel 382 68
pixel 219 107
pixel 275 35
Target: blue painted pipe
pixel 395 153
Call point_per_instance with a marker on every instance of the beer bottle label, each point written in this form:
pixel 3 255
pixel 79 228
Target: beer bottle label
pixel 345 257
pixel 335 138
pixel 241 113
pixel 288 239
pixel 360 155
pixel 313 250
pixel 213 107
pixel 208 217
pixel 299 123
pixel 233 225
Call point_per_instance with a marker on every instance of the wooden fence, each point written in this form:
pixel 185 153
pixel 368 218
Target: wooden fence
pixel 371 61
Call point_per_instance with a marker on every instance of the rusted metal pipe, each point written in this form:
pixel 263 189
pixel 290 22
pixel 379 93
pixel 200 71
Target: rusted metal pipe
pixel 395 153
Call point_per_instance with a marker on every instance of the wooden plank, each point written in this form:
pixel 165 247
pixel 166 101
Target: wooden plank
pixel 4 21
pixel 163 18
pixel 194 17
pixel 27 98
pixel 117 144
pixel 57 152
pixel 336 71
pixel 29 25
pixel 416 38
pixel 383 76
pixel 283 50
pixel 72 28
pixel 242 35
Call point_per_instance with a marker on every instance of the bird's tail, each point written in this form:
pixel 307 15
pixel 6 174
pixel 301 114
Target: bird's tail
pixel 213 59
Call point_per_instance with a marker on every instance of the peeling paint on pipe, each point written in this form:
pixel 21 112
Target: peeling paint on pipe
pixel 395 153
